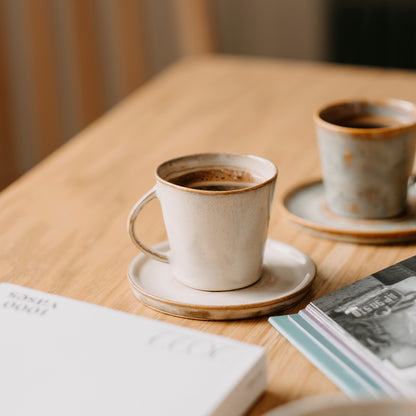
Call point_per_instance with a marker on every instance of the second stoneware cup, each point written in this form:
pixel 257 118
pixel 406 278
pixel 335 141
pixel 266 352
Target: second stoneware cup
pixel 216 209
pixel 367 150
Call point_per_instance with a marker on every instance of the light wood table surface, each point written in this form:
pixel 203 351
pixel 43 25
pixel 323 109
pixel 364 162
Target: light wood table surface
pixel 63 225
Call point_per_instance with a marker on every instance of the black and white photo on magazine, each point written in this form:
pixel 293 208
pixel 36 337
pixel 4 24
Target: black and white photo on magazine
pixel 380 313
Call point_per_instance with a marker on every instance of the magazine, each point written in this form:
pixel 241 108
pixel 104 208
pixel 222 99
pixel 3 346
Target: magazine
pixel 363 336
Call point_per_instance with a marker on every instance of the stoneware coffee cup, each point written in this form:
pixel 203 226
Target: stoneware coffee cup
pixel 367 150
pixel 216 209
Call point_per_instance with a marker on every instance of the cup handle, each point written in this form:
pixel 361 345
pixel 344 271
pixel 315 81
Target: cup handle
pixel 138 206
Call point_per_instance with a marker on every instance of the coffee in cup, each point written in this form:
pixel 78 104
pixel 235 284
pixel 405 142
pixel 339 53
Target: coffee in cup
pixel 217 178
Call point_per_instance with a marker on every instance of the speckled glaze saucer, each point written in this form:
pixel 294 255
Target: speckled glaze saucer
pixel 287 276
pixel 305 206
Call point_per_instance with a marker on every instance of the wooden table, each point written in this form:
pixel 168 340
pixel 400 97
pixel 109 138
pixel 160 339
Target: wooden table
pixel 63 225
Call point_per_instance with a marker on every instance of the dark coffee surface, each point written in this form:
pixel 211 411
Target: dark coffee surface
pixel 361 125
pixel 216 179
pixel 371 121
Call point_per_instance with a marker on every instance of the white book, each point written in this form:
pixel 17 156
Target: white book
pixel 60 356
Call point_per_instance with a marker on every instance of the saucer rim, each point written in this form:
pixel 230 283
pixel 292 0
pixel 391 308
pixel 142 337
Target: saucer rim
pixel 299 290
pixel 394 235
pixel 223 307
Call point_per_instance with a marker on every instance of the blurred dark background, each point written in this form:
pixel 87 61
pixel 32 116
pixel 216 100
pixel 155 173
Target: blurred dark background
pixel 373 32
pixel 63 63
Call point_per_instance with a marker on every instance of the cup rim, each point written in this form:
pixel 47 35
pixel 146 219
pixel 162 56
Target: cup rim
pixel 260 159
pixel 403 105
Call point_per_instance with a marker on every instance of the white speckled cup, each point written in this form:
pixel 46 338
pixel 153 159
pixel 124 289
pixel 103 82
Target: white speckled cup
pixel 367 150
pixel 216 237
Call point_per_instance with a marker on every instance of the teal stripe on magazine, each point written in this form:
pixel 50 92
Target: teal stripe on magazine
pixel 325 356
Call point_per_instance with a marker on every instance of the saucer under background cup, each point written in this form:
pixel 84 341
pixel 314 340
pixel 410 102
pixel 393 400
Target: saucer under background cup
pixel 305 205
pixel 287 275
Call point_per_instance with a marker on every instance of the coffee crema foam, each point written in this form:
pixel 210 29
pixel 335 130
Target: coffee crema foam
pixel 216 179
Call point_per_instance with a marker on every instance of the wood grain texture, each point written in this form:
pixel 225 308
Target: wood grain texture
pixel 64 223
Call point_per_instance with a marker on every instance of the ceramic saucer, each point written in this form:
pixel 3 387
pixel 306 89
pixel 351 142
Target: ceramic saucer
pixel 287 276
pixel 305 205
